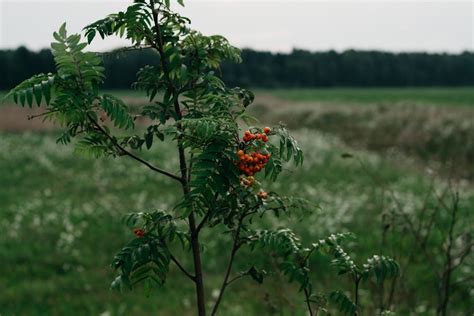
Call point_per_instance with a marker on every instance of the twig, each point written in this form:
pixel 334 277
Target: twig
pixel 356 292
pixel 471 277
pixel 308 303
pixel 203 221
pixel 235 278
pixel 31 117
pixel 462 255
pixel 189 275
pixel 124 49
pixel 445 282
pixel 225 283
pixel 131 155
pixel 205 218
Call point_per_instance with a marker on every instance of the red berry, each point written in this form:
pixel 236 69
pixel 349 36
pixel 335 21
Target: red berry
pixel 139 232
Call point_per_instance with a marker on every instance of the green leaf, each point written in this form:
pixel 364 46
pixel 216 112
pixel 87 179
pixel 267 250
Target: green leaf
pixel 57 37
pixel 38 91
pixel 90 36
pixel 381 268
pixel 62 30
pixel 343 303
pixel 149 140
pixel 332 245
pixel 256 275
pixel 117 110
pixel 144 258
pixel 29 96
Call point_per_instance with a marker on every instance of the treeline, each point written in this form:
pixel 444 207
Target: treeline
pixel 351 69
pixel 299 68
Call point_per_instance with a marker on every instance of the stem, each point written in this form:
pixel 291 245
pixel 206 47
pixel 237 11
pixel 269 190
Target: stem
pixel 181 267
pixel 356 294
pixel 205 218
pixel 203 221
pixel 124 49
pixel 198 278
pixel 446 277
pixel 31 117
pixel 392 293
pixel 197 267
pixel 308 303
pixel 225 282
pixel 235 278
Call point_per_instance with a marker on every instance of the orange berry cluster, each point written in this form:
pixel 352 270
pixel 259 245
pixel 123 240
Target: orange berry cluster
pixel 252 163
pixel 248 136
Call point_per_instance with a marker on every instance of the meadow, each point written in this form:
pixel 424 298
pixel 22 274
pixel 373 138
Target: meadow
pixel 457 96
pixel 386 171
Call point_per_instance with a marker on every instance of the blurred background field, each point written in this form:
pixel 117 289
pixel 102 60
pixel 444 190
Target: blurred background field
pixel 61 212
pixel 454 96
pixel 380 96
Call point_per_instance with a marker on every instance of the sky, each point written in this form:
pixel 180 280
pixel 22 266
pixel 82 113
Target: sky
pixel 275 25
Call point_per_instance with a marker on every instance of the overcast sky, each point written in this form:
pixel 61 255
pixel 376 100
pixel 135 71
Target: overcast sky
pixel 415 25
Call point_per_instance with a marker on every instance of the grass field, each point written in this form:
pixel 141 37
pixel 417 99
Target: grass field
pixel 61 218
pixel 427 96
pixel 444 96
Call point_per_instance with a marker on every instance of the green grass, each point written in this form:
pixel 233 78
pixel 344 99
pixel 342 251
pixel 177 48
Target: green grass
pixel 456 96
pixel 60 216
pixel 60 219
pixel 431 96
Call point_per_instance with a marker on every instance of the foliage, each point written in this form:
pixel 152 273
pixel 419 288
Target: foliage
pixel 147 257
pixel 344 303
pixel 293 261
pixel 201 116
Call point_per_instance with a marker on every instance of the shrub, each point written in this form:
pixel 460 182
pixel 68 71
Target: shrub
pixel 218 168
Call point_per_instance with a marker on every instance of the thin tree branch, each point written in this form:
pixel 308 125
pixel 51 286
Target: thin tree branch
pixel 356 293
pixel 205 218
pixel 308 303
pixel 124 49
pixel 203 221
pixel 225 283
pixel 189 275
pixel 463 280
pixel 236 278
pixel 31 117
pixel 131 155
pixel 462 255
pixel 446 276
pixel 114 141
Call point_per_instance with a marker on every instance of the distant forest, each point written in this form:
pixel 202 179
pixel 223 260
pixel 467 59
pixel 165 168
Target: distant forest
pixel 298 69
